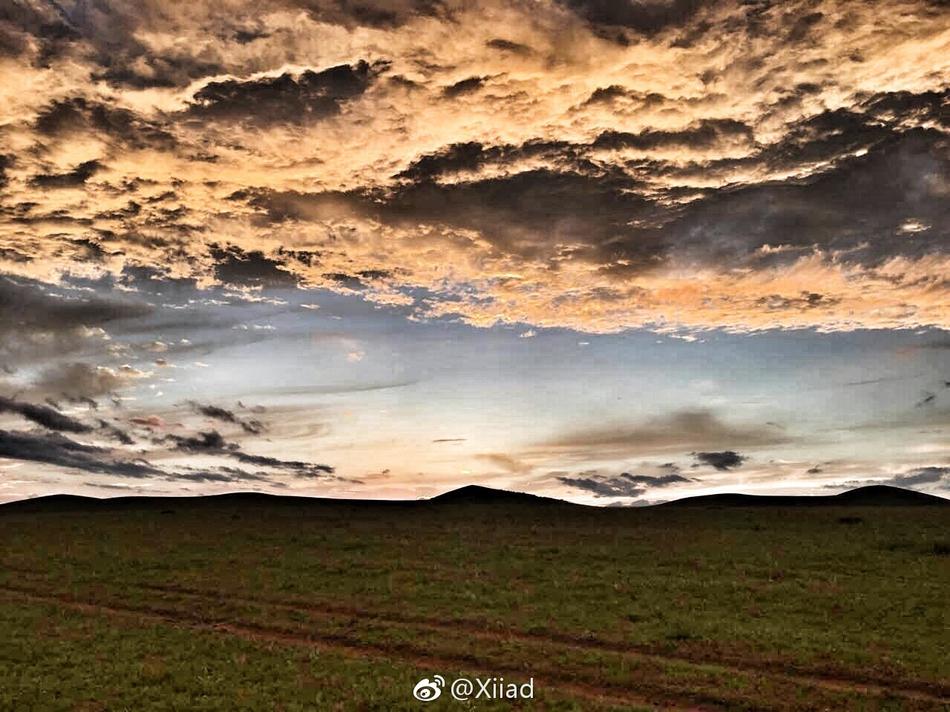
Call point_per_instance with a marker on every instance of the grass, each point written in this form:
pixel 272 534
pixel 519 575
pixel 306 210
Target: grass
pixel 289 606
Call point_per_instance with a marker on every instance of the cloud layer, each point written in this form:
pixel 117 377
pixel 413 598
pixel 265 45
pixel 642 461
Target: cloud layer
pixel 596 165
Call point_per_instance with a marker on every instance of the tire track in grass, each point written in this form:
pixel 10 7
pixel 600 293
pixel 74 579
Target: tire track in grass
pixel 605 695
pixel 334 611
pixel 868 686
pixel 779 670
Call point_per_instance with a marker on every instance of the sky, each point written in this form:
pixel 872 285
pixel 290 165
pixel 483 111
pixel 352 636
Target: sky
pixel 617 252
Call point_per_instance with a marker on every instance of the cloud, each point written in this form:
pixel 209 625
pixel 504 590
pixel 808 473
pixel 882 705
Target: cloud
pixel 642 16
pixel 298 467
pixel 77 380
pixel 704 134
pixel 622 485
pixel 235 267
pixel 464 86
pixel 598 165
pixel 505 462
pixel 36 321
pixel 930 477
pixel 222 475
pixel 211 442
pixel 60 451
pixel 504 45
pixel 43 415
pixel 922 476
pixel 683 430
pixel 70 179
pixel 309 96
pixel 70 118
pixel 656 481
pixel 252 426
pixel 116 432
pixel 725 460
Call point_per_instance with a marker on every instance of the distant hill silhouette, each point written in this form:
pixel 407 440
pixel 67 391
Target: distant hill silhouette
pixel 68 502
pixel 871 496
pixel 470 494
pixel 476 494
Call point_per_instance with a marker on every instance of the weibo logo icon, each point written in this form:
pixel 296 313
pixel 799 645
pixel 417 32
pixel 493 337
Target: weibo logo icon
pixel 427 690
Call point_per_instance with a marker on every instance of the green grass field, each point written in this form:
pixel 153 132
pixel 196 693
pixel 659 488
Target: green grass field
pixel 255 605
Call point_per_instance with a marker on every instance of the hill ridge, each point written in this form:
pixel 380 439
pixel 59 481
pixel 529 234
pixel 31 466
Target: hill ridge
pixel 867 496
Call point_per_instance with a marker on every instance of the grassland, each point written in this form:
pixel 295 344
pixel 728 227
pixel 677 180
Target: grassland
pixel 259 605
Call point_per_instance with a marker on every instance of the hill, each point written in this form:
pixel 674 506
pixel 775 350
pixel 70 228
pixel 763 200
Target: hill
pixel 870 496
pixel 470 494
pixel 476 494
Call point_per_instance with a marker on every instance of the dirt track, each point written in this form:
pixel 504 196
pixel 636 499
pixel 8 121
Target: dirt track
pixel 921 695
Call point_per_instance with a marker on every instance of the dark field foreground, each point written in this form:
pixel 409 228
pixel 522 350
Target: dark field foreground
pixel 258 603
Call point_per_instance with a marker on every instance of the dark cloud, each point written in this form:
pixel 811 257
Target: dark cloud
pixel 509 46
pixel 108 34
pixel 822 137
pixel 68 116
pixel 622 485
pixel 344 280
pixel 145 69
pixel 642 16
pixel 457 157
pixel 252 426
pixel 465 86
pixel 616 217
pixel 246 36
pixel 298 467
pixel 704 134
pixel 683 430
pixel 934 476
pixel 801 29
pixel 806 300
pixel 221 475
pixel 725 460
pixel 115 432
pixel 645 100
pixel 602 486
pixel 854 209
pixel 24 22
pixel 213 443
pixel 43 415
pixel 5 163
pixel 70 179
pixel 57 450
pixel 527 214
pixel 922 476
pixel 374 13
pixel 656 481
pixel 306 97
pixel 77 380
pixel 60 451
pixel 236 267
pixel 38 319
pixel 909 108
pixel 206 441
pixel 851 209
